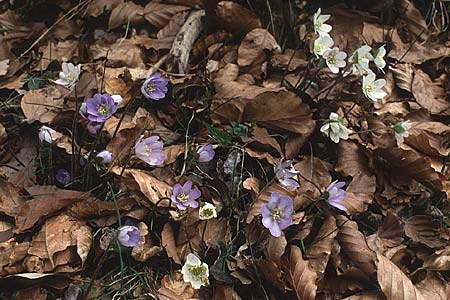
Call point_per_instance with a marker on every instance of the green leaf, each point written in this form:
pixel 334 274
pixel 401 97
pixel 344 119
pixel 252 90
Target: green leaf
pixel 221 136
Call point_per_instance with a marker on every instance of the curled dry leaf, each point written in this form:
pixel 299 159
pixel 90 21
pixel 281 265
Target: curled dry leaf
pixel 174 288
pixel 300 275
pixel 433 287
pixel 367 296
pixel 423 229
pixel 429 94
pixel 146 248
pixel 168 243
pixel 30 212
pixel 274 248
pixel 254 44
pixel 359 193
pixel 160 14
pixel 354 245
pixel 10 200
pixel 351 159
pixel 388 236
pixel 394 283
pixel 319 252
pixel 126 13
pixel 153 188
pixel 234 17
pixel 439 261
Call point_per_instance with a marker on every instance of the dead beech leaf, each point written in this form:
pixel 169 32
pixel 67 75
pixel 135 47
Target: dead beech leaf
pixel 360 193
pixel 355 246
pixel 434 288
pixel 146 248
pixel 173 287
pixel 351 159
pixel 439 261
pixel 394 283
pixel 274 247
pixel 59 233
pixel 4 64
pixel 160 14
pixel 30 212
pixel 172 152
pixel 126 13
pixel 319 252
pixel 300 275
pixel 151 187
pixel 234 17
pixel 254 44
pixel 35 293
pixel 115 85
pixel 41 105
pixel 251 183
pixel 367 296
pixel 423 229
pixel 263 198
pixel 224 292
pixel 168 243
pixel 10 200
pixel 429 94
pixel 389 235
pixel 62 51
pixel 281 110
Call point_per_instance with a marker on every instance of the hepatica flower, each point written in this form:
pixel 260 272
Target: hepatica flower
pixel 105 157
pixel 128 236
pixel 46 135
pixel 277 214
pixel 99 108
pixel 373 89
pixel 155 87
pixel 63 176
pixel 334 59
pixel 360 59
pixel 150 150
pixel 322 44
pixel 185 196
pixel 379 58
pixel 69 75
pixel 286 175
pixel 206 153
pixel 207 211
pixel 195 272
pixel 319 23
pixel 335 195
pixel 401 131
pixel 334 128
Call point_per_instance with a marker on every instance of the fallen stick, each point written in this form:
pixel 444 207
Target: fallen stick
pixel 184 41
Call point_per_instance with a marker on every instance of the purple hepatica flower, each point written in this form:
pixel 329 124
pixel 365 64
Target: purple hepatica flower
pixel 99 108
pixel 336 194
pixel 150 150
pixel 63 176
pixel 206 153
pixel 155 87
pixel 105 157
pixel 185 196
pixel 45 134
pixel 129 236
pixel 277 214
pixel 285 175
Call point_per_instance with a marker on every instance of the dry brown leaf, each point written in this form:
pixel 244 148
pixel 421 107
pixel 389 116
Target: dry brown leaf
pixel 251 183
pixel 174 288
pixel 126 13
pixel 160 14
pixel 423 229
pixel 300 275
pixel 4 64
pixel 123 53
pixel 35 293
pixel 172 152
pixel 262 140
pixel 351 159
pixel 153 188
pixel 319 252
pixel 394 283
pixel 94 207
pixel 431 138
pixel 172 28
pixel 281 110
pixel 429 94
pixel 439 261
pixel 41 105
pixel 59 233
pixel 30 212
pixel 254 44
pixel 388 236
pixel 274 248
pixel 168 243
pixel 10 200
pixel 96 8
pixel 236 18
pixel 115 85
pixel 434 288
pixel 146 248
pixel 360 193
pixel 355 246
pixel 224 292
pixel 367 296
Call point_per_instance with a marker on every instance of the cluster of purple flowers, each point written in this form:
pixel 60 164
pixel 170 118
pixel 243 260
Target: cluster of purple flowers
pixel 155 87
pixel 98 109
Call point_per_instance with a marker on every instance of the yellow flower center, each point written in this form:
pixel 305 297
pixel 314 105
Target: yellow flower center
pixel 369 88
pixel 277 214
pixel 70 77
pixel 331 59
pixel 150 87
pixel 182 197
pixel 197 270
pixel 148 150
pixel 103 110
pixel 319 48
pixel 207 212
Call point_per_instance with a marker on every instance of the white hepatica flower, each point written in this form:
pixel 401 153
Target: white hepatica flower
pixel 207 211
pixel 379 58
pixel 360 59
pixel 401 131
pixel 319 23
pixel 195 272
pixel 322 43
pixel 69 75
pixel 373 89
pixel 334 59
pixel 334 128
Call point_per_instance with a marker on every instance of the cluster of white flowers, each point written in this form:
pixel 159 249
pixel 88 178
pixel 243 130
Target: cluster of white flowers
pixel 359 60
pixel 334 128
